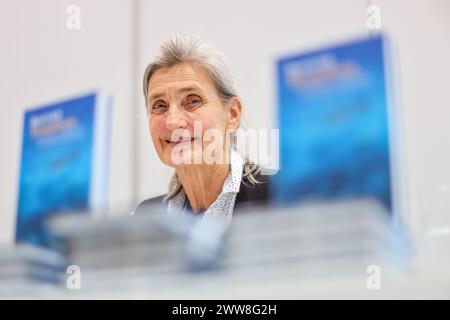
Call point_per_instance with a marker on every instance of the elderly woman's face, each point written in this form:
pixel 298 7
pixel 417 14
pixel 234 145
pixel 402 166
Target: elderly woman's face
pixel 183 99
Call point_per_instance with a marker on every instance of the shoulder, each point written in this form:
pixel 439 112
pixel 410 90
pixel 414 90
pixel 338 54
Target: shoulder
pixel 144 206
pixel 249 194
pixel 254 193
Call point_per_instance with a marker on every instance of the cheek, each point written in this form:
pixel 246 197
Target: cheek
pixel 155 128
pixel 214 119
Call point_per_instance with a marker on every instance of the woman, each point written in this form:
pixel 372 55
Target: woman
pixel 190 98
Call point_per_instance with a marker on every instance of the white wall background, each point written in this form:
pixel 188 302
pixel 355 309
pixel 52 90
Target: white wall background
pixel 43 61
pixel 421 31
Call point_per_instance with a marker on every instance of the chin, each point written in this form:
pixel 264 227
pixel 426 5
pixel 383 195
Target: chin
pixel 184 161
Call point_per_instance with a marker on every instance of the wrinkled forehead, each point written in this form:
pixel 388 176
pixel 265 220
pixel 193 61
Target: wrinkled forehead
pixel 179 77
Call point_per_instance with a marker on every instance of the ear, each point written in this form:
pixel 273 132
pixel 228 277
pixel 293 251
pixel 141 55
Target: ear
pixel 234 113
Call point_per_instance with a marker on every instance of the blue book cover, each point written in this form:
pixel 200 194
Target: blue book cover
pixel 333 119
pixel 63 164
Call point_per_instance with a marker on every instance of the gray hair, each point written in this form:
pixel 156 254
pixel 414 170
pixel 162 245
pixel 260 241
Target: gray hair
pixel 193 49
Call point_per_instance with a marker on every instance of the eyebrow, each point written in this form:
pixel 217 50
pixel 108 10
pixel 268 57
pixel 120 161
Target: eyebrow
pixel 182 90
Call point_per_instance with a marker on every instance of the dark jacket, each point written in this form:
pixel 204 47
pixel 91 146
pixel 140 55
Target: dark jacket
pixel 257 195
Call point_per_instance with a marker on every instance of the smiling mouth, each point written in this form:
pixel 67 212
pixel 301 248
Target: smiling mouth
pixel 179 141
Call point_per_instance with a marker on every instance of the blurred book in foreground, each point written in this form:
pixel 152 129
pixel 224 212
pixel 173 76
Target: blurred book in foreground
pixel 116 246
pixel 334 109
pixel 27 269
pixel 64 163
pixel 343 234
pixel 154 250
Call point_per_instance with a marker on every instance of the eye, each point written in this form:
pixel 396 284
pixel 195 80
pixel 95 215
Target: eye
pixel 193 101
pixel 158 107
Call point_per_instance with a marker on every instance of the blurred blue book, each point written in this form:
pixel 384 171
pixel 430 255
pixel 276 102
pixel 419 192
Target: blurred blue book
pixel 64 163
pixel 334 130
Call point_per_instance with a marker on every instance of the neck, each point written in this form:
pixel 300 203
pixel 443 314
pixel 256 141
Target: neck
pixel 203 183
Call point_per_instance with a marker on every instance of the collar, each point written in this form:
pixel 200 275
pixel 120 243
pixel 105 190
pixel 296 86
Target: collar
pixel 232 183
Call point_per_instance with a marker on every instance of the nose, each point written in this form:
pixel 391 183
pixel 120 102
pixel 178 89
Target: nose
pixel 175 119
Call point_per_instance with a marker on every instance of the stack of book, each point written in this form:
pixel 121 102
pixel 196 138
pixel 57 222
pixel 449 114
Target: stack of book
pixel 27 269
pixel 114 247
pixel 347 235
